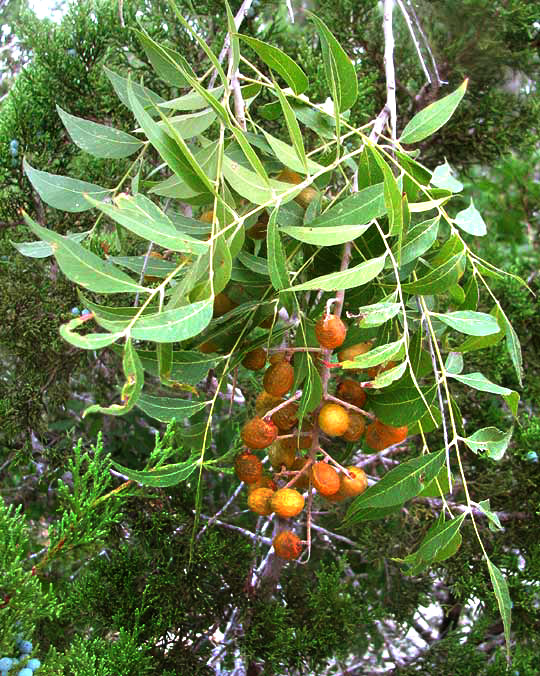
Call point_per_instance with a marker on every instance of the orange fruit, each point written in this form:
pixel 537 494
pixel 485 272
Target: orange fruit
pixel 255 359
pixel 287 502
pixel 333 420
pixel 265 402
pixel 259 501
pixel 281 453
pixel 207 217
pixel 222 305
pixel 379 436
pixel 352 392
pixel 286 418
pixel 258 433
pixel 277 357
pixel 356 484
pixel 349 353
pixel 287 545
pixel 306 196
pixel 248 467
pixel 356 428
pixel 278 378
pixel 303 482
pixel 325 478
pixel 265 481
pixel 330 331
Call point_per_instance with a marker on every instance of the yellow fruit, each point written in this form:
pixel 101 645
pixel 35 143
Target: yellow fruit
pixel 333 420
pixel 349 353
pixel 255 360
pixel 287 502
pixel 357 425
pixel 248 467
pixel 379 436
pixel 207 217
pixel 281 453
pixel 325 478
pixel 351 391
pixel 330 331
pixel 306 196
pixel 356 484
pixel 278 378
pixel 286 418
pixel 287 545
pixel 222 305
pixel 265 402
pixel 258 433
pixel 259 501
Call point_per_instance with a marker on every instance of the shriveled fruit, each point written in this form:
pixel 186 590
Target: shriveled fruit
pixel 349 353
pixel 281 453
pixel 259 501
pixel 325 478
pixel 222 305
pixel 277 357
pixel 265 481
pixel 302 483
pixel 278 378
pixel 306 196
pixel 286 418
pixel 255 359
pixel 287 545
pixel 258 433
pixel 351 391
pixel 208 347
pixel 287 502
pixel 357 425
pixel 374 371
pixel 265 402
pixel 353 485
pixel 333 420
pixel 258 230
pixel 379 436
pixel 248 468
pixel 330 331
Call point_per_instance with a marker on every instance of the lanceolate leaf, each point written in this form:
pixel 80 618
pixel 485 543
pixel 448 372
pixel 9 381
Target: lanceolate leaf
pixel 293 127
pixel 162 477
pixel 165 409
pixel 62 192
pixel 419 239
pixel 277 266
pixel 172 326
pixel 500 587
pixel 437 280
pixel 437 544
pixel 400 484
pixel 248 184
pixel 376 314
pixel 287 155
pixel 339 68
pixel 146 96
pixel 360 208
pixel 376 356
pixel 144 218
pixel 356 276
pixel 98 139
pixel 323 236
pixel 192 101
pixel 44 249
pixel 164 60
pixel 279 62
pixel 471 323
pixel 386 378
pixel 89 341
pixel 433 117
pixel 514 348
pixel 478 381
pixel 392 195
pixel 82 266
pixel 403 405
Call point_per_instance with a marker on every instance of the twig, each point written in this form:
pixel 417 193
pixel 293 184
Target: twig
pixel 237 22
pixel 389 66
pixel 414 39
pixel 243 531
pixel 426 43
pixel 143 270
pixel 271 412
pixel 121 12
pixel 223 509
pixel 290 9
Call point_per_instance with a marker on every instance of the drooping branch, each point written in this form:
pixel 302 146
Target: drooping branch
pixel 389 66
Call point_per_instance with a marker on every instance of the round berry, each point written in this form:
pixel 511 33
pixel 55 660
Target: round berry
pixel 25 671
pixel 6 663
pixel 531 456
pixel 25 647
pixel 33 664
pixel 75 311
pixel 85 312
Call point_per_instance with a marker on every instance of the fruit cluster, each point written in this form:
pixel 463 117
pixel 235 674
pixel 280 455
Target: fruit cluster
pixel 9 664
pixel 293 448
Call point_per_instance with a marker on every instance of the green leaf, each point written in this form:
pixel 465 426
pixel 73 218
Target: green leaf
pixel 514 348
pixel 161 477
pixel 471 323
pixel 62 192
pixel 437 544
pixel 254 263
pixel 187 126
pixel 439 486
pixel 400 484
pixel 471 221
pixel 165 409
pixel 360 208
pixel 43 249
pixel 172 326
pixel 165 61
pixel 134 375
pixel 494 521
pixel 356 276
pixel 454 363
pixel 287 155
pixel 140 215
pixel 339 69
pixel 193 100
pixel 500 587
pixel 433 117
pixel 248 184
pixel 155 267
pixel 279 62
pixel 90 341
pixel 323 236
pixel 376 314
pixel 442 178
pixel 82 266
pixel 478 381
pixel 490 440
pixel 403 405
pixel 277 265
pixel 386 378
pixel 312 390
pixel 377 355
pixel 419 239
pixel 393 199
pixel 187 366
pixel 98 139
pixel 293 127
pixel 146 96
pixel 437 280
pixel 251 155
pixel 233 37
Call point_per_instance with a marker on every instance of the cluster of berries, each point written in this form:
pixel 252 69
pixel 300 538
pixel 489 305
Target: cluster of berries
pixel 9 664
pixel 275 428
